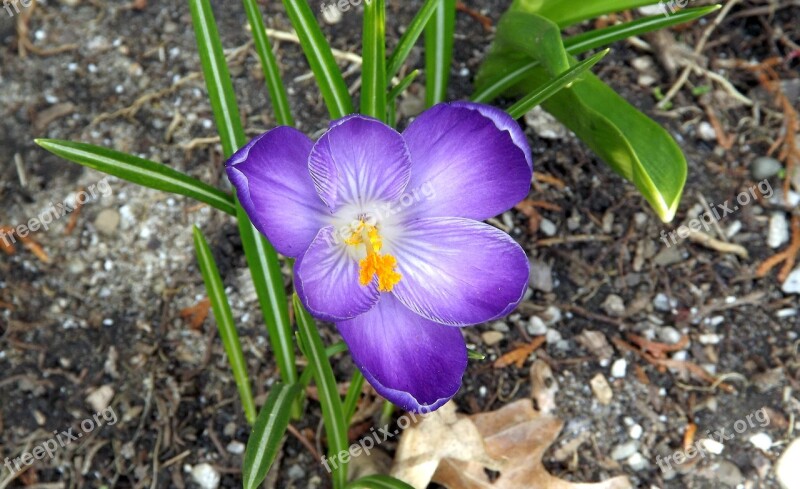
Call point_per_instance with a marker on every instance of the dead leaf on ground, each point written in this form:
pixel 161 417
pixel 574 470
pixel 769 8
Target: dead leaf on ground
pixel 454 449
pixel 196 314
pixel 520 354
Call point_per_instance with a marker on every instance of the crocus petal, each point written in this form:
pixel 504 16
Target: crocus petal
pixel 504 122
pixel 326 278
pixel 272 182
pixel 473 164
pixel 458 271
pixel 413 362
pixel 359 160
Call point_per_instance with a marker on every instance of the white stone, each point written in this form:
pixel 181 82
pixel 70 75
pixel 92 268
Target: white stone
pixel 206 476
pixel 778 233
pixel 548 228
pixel 636 431
pixel 792 283
pixel 709 339
pixel 706 132
pixel 762 441
pixel 637 461
pixel 100 398
pixel 712 446
pixel 536 326
pixel 619 367
pixel 627 449
pixel 552 336
pixel 235 447
pixel 787 469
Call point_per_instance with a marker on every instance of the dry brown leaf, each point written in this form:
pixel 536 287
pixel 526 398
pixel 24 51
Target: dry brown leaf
pixel 510 440
pixel 520 354
pixel 196 314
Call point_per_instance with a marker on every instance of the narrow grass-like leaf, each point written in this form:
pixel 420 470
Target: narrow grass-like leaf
pixel 569 12
pixel 338 347
pixel 353 395
pixel 602 37
pixel 409 38
pixel 225 325
pixel 320 58
pixel 265 439
pixel 261 256
pixel 544 92
pixel 332 410
pixel 391 98
pixel 439 51
pixel 373 54
pixel 378 482
pixel 139 171
pixel 218 79
pixel 513 72
pixel 272 74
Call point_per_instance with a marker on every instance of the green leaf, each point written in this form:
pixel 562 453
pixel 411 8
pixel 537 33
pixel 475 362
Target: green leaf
pixel 631 143
pixel 507 73
pixel 225 325
pixel 262 259
pixel 373 68
pixel 272 74
pixel 439 34
pixel 546 91
pixel 139 171
pixel 336 348
pixel 378 482
pixel 409 37
pixel 603 37
pixel 320 58
pixel 391 98
pixel 265 439
pixel 569 12
pixel 475 355
pixel 218 79
pixel 353 395
pixel 332 410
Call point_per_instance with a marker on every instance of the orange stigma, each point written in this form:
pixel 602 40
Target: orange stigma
pixel 375 263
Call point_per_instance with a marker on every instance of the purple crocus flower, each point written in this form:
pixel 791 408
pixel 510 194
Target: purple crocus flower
pixel 386 229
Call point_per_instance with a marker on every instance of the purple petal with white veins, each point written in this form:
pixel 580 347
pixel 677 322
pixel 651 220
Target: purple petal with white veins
pixel 326 279
pixel 474 168
pixel 504 122
pixel 359 160
pixel 413 362
pixel 458 271
pixel 272 182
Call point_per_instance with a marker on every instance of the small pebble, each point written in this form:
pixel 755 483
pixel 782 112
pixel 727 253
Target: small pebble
pixel 787 470
pixel 618 368
pixel 765 167
pixel 614 306
pixel 107 221
pixel 206 476
pixel 709 339
pixel 235 447
pixel 669 335
pixel 792 283
pixel 637 462
pixel 541 276
pixel 712 446
pixel 625 450
pixel 603 393
pixel 636 431
pixel 491 338
pixel 536 326
pixel 552 336
pixel 706 132
pixel 778 233
pixel 100 398
pixel 762 441
pixel 662 303
pixel 548 228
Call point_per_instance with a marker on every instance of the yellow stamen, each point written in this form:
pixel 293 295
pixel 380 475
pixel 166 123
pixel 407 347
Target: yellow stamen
pixel 374 264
